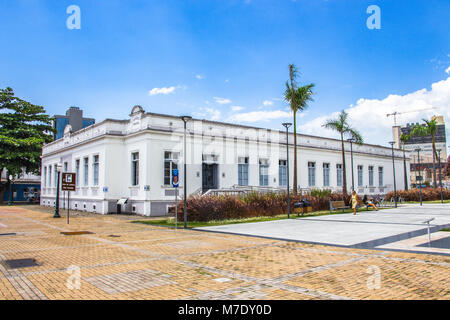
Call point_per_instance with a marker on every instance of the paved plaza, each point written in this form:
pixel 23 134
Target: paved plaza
pixel 367 229
pixel 119 259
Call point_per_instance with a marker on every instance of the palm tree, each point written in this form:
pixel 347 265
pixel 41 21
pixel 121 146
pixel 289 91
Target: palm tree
pixel 342 126
pixel 428 128
pixel 298 98
pixel 405 138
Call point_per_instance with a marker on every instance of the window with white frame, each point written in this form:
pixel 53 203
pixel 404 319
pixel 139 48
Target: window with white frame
pixel 282 172
pixel 170 163
pixel 243 171
pixel 339 175
pixel 65 167
pixel 380 176
pixel 95 165
pixel 326 174
pixel 135 168
pixel 86 171
pixel 45 176
pixel 263 172
pixel 371 176
pixel 311 174
pixel 55 167
pixel 360 176
pixel 50 176
pixel 77 172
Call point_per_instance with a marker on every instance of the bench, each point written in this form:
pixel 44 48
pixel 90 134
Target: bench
pixel 338 205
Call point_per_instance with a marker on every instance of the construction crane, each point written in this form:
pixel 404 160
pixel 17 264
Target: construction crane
pixel 395 113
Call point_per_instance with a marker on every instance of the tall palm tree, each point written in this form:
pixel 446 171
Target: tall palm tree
pixel 428 128
pixel 405 138
pixel 298 98
pixel 341 125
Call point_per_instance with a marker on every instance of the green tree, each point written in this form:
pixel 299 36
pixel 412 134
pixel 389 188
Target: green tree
pixel 298 98
pixel 404 138
pixel 341 125
pixel 428 128
pixel 24 128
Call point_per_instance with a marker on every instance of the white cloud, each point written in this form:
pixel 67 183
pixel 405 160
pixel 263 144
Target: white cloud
pixel 200 77
pixel 227 80
pixel 255 116
pixel 236 108
pixel 222 100
pixel 162 90
pixel 447 70
pixel 369 115
pixel 267 103
pixel 208 113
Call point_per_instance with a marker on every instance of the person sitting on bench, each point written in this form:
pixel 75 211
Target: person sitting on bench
pixel 369 202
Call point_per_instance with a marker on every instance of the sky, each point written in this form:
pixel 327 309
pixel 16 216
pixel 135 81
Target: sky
pixel 227 60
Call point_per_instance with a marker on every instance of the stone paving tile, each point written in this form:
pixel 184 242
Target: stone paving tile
pixel 398 280
pixel 149 262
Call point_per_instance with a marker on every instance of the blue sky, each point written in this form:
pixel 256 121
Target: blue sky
pixel 227 60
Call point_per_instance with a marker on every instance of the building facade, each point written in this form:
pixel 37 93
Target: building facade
pixel 131 162
pixel 422 161
pixel 74 118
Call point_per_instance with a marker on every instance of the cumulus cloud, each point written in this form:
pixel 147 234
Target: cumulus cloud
pixel 256 116
pixel 163 90
pixel 222 100
pixel 369 115
pixel 200 77
pixel 267 103
pixel 447 70
pixel 208 113
pixel 236 108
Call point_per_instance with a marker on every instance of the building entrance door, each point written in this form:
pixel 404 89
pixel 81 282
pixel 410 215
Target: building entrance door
pixel 209 176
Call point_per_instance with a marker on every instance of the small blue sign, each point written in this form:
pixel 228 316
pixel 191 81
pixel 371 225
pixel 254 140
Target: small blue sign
pixel 175 180
pixel 105 189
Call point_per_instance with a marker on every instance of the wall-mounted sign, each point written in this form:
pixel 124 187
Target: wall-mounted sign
pixel 68 181
pixel 175 180
pixel 147 188
pixel 105 189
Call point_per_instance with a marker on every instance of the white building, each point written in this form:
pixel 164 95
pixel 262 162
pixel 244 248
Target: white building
pixel 133 159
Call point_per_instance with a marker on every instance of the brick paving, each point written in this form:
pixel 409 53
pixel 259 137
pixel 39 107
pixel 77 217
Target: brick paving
pixel 124 260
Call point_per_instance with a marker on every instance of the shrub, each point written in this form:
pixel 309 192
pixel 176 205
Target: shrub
pixel 210 207
pixel 428 194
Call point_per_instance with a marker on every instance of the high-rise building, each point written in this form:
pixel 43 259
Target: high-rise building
pixel 424 143
pixel 74 117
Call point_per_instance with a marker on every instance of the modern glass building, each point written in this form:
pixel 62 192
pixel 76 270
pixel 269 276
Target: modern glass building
pixel 74 117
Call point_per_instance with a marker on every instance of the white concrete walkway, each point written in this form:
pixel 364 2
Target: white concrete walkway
pixel 368 229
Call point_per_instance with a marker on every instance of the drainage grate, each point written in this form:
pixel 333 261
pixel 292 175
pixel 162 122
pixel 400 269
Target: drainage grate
pixel 76 233
pixel 21 263
pixel 7 234
pixel 114 236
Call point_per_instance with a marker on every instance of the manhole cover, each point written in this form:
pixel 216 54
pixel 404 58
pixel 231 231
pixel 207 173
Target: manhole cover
pixel 76 233
pixel 21 263
pixel 7 234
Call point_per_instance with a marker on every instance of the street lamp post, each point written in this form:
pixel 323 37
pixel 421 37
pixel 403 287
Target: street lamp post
pixel 351 140
pixel 287 125
pixel 58 169
pixel 11 196
pixel 440 175
pixel 185 120
pixel 393 167
pixel 404 169
pixel 418 169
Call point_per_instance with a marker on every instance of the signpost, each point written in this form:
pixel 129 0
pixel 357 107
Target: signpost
pixel 175 184
pixel 68 184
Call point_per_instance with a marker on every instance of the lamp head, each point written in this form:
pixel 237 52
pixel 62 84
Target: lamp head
pixel 391 143
pixel 286 124
pixel 186 118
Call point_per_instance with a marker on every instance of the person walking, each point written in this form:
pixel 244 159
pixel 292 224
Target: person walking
pixel 354 200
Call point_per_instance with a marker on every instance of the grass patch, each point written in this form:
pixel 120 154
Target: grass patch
pixel 170 222
pixel 429 201
pixel 445 229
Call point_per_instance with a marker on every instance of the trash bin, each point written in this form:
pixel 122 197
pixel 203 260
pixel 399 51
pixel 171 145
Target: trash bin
pixel 298 207
pixel 303 206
